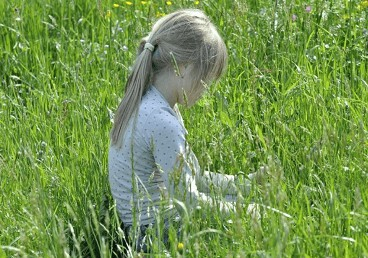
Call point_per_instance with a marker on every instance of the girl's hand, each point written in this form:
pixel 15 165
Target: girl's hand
pixel 244 182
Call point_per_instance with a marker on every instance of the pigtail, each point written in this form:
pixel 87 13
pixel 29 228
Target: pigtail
pixel 181 38
pixel 136 86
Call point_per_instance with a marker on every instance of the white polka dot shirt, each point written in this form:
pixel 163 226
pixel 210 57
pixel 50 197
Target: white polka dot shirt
pixel 153 163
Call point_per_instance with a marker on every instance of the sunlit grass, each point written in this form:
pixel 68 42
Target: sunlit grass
pixel 294 99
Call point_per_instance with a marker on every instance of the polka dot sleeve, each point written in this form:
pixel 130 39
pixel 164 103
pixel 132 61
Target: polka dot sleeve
pixel 168 145
pixel 172 155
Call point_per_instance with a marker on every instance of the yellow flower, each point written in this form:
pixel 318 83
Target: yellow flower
pixel 128 3
pixel 180 247
pixel 196 2
pixel 143 2
pixel 168 2
pixel 115 5
pixel 108 14
pixel 159 14
pixel 363 5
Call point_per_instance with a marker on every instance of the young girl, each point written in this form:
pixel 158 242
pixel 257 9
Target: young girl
pixel 150 163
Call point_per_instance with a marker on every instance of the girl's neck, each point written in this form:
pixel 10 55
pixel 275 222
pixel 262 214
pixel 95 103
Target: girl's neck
pixel 166 84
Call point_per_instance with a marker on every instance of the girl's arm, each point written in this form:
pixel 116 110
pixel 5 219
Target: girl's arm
pixel 222 183
pixel 226 184
pixel 179 166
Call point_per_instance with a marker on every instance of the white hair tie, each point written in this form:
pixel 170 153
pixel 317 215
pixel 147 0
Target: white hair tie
pixel 149 46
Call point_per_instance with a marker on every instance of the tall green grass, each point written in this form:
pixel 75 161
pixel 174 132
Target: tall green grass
pixel 294 99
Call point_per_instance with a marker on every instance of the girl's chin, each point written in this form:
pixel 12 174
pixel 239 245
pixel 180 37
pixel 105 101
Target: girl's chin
pixel 188 103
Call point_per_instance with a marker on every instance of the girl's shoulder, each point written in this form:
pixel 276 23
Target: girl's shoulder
pixel 154 105
pixel 156 116
pixel 160 116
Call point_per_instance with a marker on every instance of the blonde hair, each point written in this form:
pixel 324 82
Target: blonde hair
pixel 185 37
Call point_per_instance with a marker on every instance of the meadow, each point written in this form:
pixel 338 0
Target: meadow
pixel 294 99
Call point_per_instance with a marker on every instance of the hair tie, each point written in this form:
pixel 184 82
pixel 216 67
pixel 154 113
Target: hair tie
pixel 149 46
